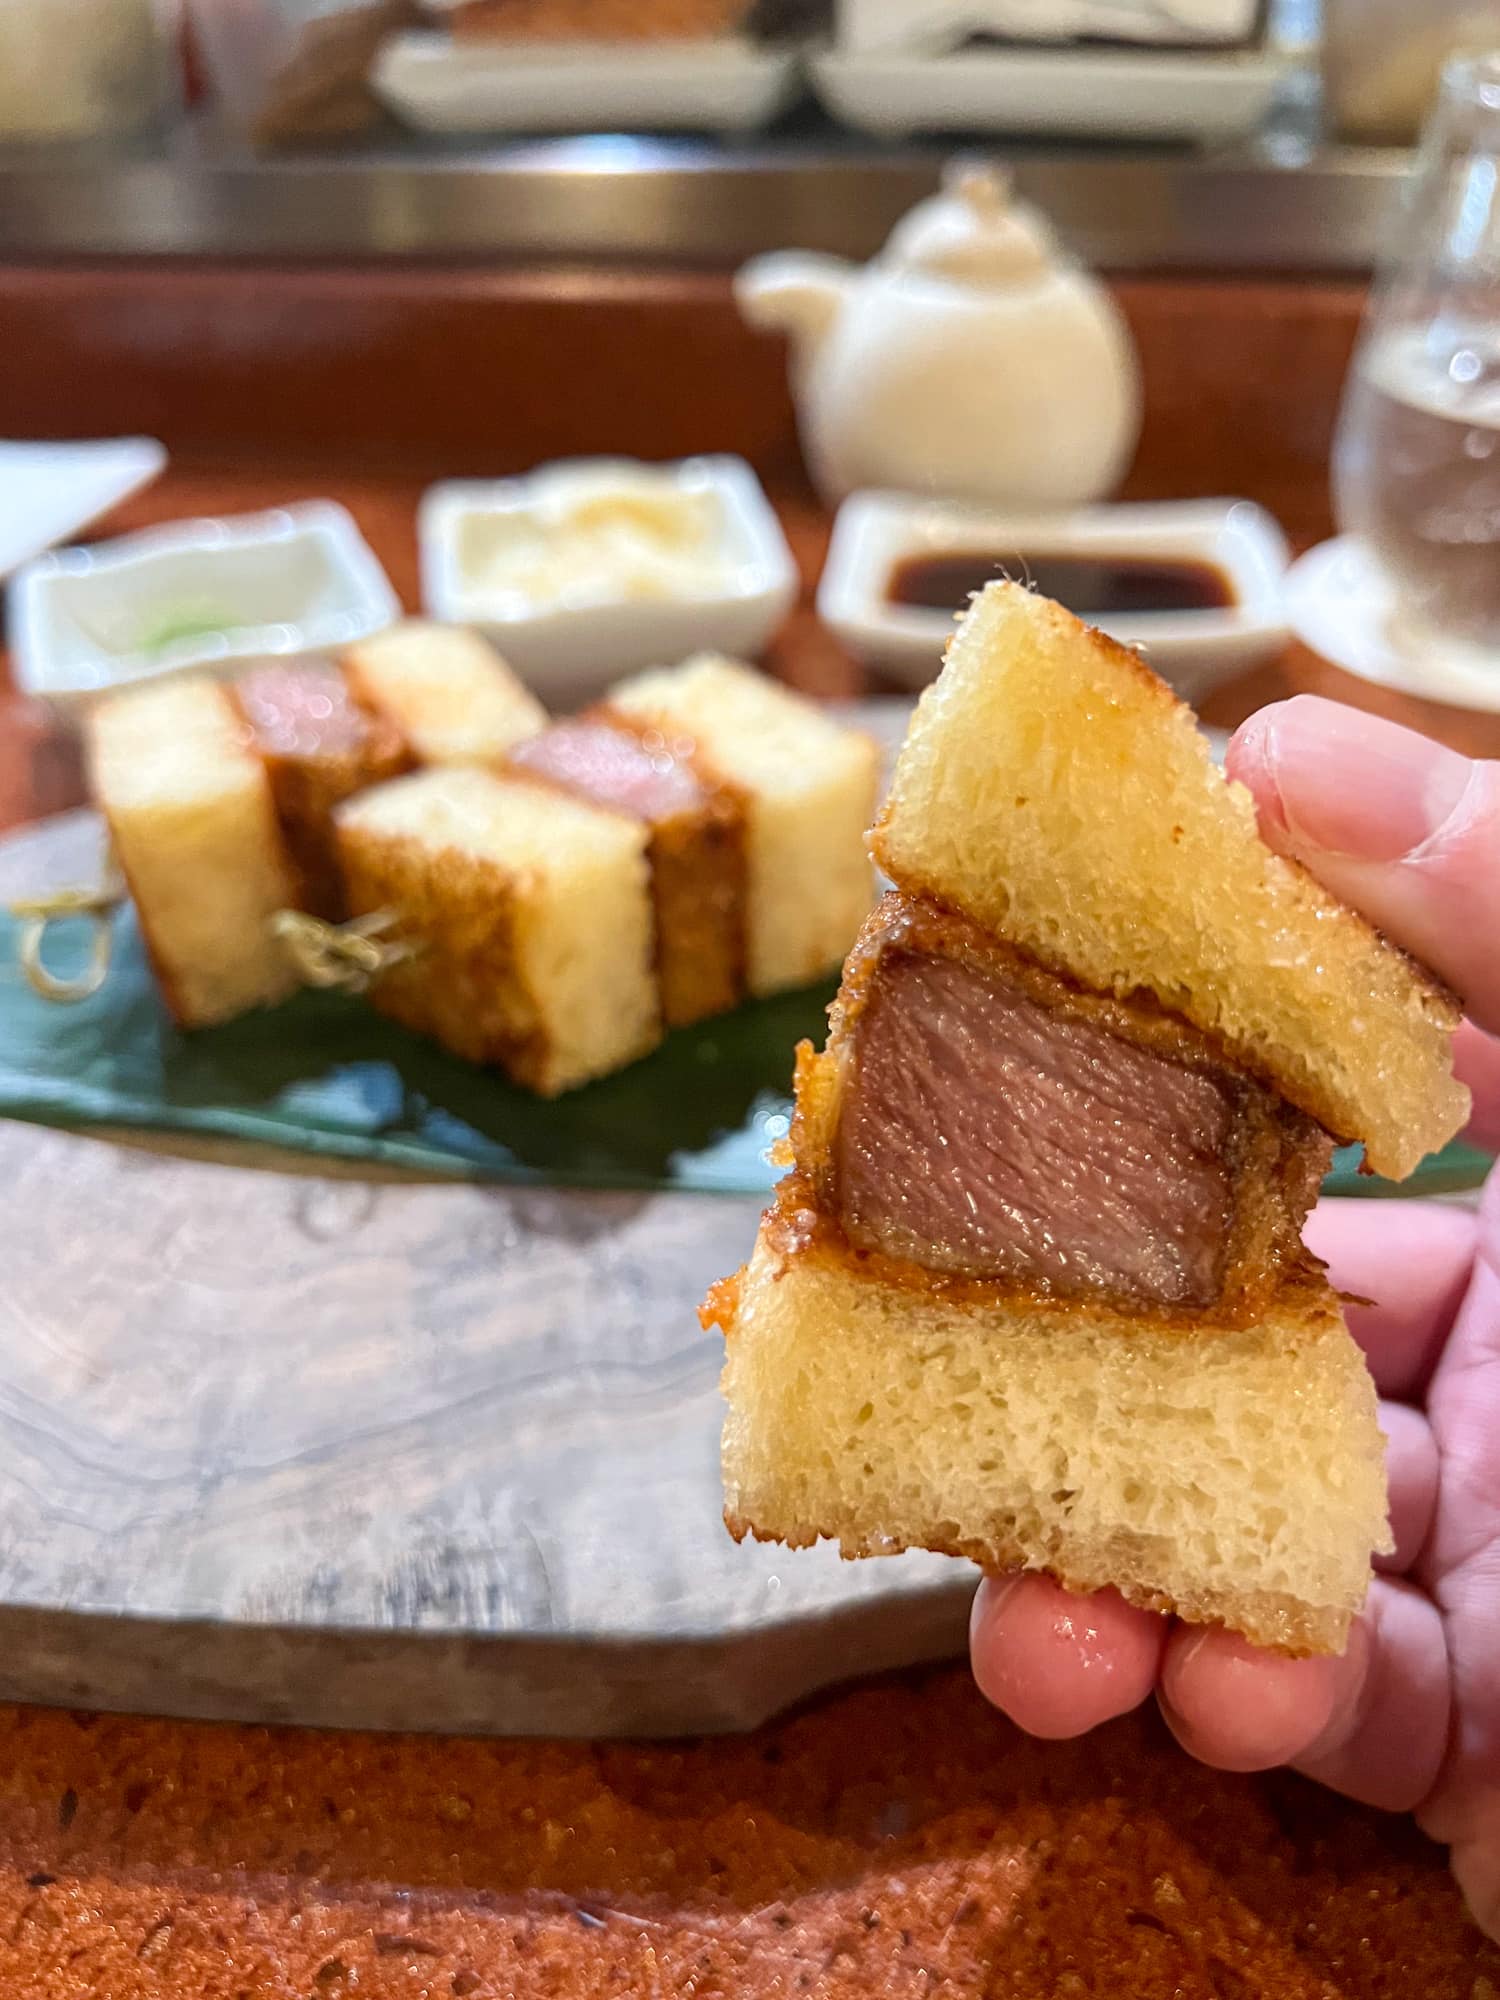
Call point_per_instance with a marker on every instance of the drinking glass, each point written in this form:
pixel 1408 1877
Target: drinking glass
pixel 1417 454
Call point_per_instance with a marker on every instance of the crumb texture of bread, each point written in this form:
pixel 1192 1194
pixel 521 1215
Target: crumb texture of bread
pixel 1055 789
pixel 447 690
pixel 1236 1477
pixel 808 785
pixel 194 828
pixel 531 914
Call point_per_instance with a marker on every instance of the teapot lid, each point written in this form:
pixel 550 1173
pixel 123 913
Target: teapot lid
pixel 973 233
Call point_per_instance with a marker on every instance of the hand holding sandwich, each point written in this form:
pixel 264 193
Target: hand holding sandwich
pixel 1409 1716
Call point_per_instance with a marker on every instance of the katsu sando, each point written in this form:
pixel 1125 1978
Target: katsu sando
pixel 528 916
pixel 805 786
pixel 1034 1290
pixel 695 839
pixel 415 694
pixel 746 789
pixel 319 746
pixel 219 798
pixel 451 696
pixel 193 825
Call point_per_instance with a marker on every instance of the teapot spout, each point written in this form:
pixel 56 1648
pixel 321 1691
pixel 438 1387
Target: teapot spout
pixel 795 292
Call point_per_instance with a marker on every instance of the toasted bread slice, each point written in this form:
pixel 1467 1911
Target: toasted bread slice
pixel 531 918
pixel 319 747
pixel 193 826
pixel 446 689
pixel 1233 1475
pixel 1053 788
pixel 808 789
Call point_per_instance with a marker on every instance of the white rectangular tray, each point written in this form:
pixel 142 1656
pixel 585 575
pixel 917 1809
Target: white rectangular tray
pixel 195 596
pixel 436 84
pixel 569 652
pixel 1094 93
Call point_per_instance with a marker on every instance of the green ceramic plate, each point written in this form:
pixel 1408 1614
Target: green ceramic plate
pixel 325 1074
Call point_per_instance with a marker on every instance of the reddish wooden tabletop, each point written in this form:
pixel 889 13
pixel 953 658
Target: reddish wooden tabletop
pixel 899 1842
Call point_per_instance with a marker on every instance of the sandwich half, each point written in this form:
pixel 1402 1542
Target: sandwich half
pixel 694 838
pixel 755 803
pixel 445 689
pixel 193 826
pixel 527 915
pixel 1034 1289
pixel 319 746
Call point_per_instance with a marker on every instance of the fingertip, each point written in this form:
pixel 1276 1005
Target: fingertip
pixel 1058 1663
pixel 1253 757
pixel 1412 1476
pixel 1249 760
pixel 1234 1706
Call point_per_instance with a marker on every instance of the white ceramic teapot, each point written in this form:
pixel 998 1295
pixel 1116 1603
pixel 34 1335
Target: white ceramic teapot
pixel 971 357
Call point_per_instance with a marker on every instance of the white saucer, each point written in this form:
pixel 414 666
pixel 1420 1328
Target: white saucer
pixel 1341 605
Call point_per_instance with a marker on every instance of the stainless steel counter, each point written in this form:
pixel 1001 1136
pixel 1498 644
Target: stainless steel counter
pixel 1282 203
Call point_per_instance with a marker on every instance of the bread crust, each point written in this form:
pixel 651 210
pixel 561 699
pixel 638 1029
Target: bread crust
pixel 465 985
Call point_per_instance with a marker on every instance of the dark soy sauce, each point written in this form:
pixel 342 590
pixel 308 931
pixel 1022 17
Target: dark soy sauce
pixel 1093 586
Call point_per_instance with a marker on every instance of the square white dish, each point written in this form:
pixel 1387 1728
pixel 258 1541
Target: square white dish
pixel 49 492
pixel 436 84
pixel 202 596
pixel 1193 650
pixel 1063 92
pixel 572 650
pixel 867 27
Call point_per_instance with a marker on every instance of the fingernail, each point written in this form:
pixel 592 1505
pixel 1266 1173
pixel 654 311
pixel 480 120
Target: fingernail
pixel 1342 782
pixel 1193 1648
pixel 992 1594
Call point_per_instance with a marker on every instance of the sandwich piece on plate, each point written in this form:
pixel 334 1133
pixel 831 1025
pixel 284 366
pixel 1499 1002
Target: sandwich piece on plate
pixel 451 696
pixel 755 803
pixel 193 825
pixel 415 694
pixel 804 787
pixel 695 831
pixel 695 838
pixel 528 916
pixel 1034 1290
pixel 319 746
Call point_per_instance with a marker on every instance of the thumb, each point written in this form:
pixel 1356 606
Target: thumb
pixel 1402 828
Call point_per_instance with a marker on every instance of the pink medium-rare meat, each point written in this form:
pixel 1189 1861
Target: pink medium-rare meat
pixel 613 768
pixel 984 1134
pixel 305 710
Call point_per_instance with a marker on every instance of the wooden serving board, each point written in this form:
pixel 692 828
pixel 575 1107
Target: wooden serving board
pixel 292 1445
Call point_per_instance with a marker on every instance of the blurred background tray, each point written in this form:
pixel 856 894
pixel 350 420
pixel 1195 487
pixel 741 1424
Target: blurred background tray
pixel 435 84
pixel 1086 93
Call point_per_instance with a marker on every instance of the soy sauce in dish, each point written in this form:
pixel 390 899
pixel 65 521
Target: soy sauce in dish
pixel 1093 586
